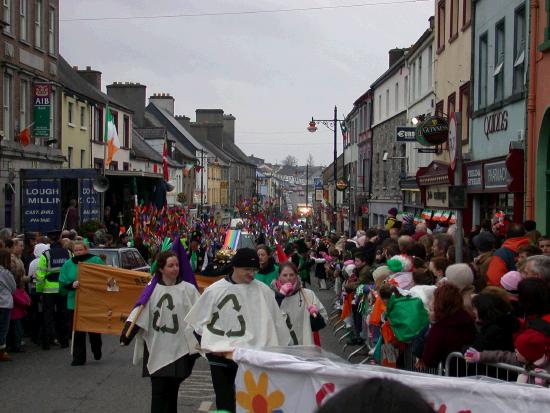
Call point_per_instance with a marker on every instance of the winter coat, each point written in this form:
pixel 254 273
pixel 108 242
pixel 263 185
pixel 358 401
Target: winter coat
pixel 7 288
pixel 453 333
pixel 21 301
pixel 498 334
pixel 503 259
pixel 69 274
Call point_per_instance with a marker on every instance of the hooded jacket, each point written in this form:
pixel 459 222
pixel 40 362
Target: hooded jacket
pixel 503 259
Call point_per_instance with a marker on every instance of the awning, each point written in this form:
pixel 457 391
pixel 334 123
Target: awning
pixel 131 174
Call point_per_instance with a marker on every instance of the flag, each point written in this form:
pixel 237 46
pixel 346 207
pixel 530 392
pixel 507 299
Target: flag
pixel 344 130
pixel 281 256
pixel 186 273
pixel 111 136
pixel 165 162
pixel 24 136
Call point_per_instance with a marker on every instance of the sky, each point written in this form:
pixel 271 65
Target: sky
pixel 272 71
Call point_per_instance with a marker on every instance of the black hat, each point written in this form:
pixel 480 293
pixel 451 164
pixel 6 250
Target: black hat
pixel 484 241
pixel 246 258
pixel 196 235
pixel 54 234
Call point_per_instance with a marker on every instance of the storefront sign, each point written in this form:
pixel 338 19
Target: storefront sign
pixel 42 93
pixel 473 177
pixel 453 142
pixel 405 134
pixel 89 201
pixel 495 122
pixel 41 205
pixel 495 175
pixel 433 131
pixel 437 196
pixel 318 183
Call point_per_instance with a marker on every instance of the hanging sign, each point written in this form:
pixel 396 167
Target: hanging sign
pixel 453 143
pixel 433 131
pixel 42 99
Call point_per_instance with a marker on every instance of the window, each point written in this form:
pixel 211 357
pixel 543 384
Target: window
pixel 125 166
pixel 430 66
pixel 413 82
pixel 24 104
pixel 127 132
pixel 82 157
pixel 466 13
pixel 420 76
pixel 439 108
pixel 6 5
pixel 52 47
pixel 396 97
pixel 498 74
pixel 379 108
pixel 405 90
pixel 70 116
pixel 114 113
pixel 70 156
pixel 387 103
pixel 8 97
pixel 98 163
pixel 519 49
pixel 453 32
pixel 38 24
pixel 464 109
pixel 83 117
pixel 451 103
pixel 483 71
pixel 113 166
pixel 441 25
pixel 98 124
pixel 23 25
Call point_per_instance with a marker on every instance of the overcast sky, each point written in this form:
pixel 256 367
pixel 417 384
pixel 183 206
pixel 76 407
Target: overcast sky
pixel 272 71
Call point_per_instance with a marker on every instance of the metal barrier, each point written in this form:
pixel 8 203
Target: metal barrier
pixel 500 371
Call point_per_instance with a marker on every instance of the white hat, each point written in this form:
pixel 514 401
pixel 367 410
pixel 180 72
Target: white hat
pixel 40 248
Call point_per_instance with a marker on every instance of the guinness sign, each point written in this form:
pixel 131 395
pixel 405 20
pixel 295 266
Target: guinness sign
pixel 433 131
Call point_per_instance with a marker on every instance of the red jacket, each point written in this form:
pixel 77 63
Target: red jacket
pixel 498 267
pixel 21 301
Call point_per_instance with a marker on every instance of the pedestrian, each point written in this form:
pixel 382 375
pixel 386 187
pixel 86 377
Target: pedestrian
pixel 268 271
pixel 544 245
pixel 164 340
pixel 71 216
pixel 21 302
pixel 304 312
pixel 391 219
pixel 53 303
pixel 504 259
pixel 236 311
pixel 7 288
pixel 68 280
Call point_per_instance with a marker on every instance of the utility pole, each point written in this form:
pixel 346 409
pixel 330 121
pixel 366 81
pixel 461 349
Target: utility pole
pixel 458 182
pixel 202 182
pixel 335 166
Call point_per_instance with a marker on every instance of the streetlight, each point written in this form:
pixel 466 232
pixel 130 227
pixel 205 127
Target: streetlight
pixel 332 125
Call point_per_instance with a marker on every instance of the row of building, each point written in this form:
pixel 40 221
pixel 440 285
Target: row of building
pixel 488 60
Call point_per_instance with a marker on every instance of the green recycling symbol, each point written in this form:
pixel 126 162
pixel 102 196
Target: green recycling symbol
pixel 156 316
pixel 216 316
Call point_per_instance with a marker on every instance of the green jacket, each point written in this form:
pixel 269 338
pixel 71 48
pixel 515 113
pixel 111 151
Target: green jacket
pixel 69 274
pixel 267 276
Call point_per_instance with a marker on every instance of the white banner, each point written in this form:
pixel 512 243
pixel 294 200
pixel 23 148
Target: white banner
pixel 299 379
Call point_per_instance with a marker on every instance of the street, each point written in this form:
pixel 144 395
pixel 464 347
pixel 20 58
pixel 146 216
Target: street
pixel 44 381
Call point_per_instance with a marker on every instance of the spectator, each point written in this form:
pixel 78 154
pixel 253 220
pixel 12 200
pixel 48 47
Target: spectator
pixel 544 245
pixel 533 236
pixel 526 251
pixel 21 302
pixel 441 243
pixel 420 230
pixel 437 266
pixel 28 250
pixel 7 288
pixel 462 277
pixel 504 258
pixel 391 219
pixel 510 282
pixel 534 297
pixel 530 225
pixel 538 267
pixel 453 328
pixel 404 242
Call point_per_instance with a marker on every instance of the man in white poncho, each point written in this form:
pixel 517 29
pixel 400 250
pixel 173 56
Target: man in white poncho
pixel 237 311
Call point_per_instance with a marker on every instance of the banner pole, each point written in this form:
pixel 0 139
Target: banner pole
pixel 131 328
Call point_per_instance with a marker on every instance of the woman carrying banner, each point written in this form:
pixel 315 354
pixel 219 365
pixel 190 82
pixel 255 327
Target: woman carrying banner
pixel 303 311
pixel 68 281
pixel 170 346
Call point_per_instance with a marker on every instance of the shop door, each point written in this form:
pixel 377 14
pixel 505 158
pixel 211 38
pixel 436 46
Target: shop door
pixel 8 206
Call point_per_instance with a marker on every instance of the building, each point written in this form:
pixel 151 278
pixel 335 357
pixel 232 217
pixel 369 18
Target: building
pixel 354 126
pixel 29 50
pixel 389 112
pixel 331 215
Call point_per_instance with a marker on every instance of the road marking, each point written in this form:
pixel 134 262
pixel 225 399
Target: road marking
pixel 205 406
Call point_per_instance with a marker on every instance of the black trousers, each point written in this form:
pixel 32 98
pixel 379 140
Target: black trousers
pixel 54 310
pixel 223 373
pixel 79 343
pixel 164 394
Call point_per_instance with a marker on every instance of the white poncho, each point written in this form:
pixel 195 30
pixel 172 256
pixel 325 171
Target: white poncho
pixel 163 328
pixel 228 315
pixel 294 308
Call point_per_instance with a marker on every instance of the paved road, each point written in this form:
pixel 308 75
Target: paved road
pixel 44 381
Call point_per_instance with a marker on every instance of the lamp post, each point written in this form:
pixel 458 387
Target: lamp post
pixel 204 158
pixel 332 125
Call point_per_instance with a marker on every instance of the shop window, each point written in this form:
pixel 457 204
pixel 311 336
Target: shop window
pixel 453 32
pixel 439 108
pixel 52 46
pixel 466 13
pixel 464 109
pixel 498 74
pixel 396 97
pixel 420 76
pixel 83 117
pixel 483 71
pixel 451 103
pixel 519 49
pixel 82 157
pixel 126 166
pixel 441 25
pixel 98 163
pixel 113 165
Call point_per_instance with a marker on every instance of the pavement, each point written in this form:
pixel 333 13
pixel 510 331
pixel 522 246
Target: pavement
pixel 44 381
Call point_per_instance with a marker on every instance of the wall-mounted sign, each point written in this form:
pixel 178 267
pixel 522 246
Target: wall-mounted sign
pixel 452 140
pixel 473 177
pixel 405 134
pixel 41 98
pixel 89 201
pixel 433 131
pixel 319 195
pixel 41 205
pixel 437 196
pixel 496 175
pixel 341 184
pixel 495 122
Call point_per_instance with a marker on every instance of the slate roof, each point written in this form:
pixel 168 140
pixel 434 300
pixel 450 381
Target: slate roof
pixel 143 150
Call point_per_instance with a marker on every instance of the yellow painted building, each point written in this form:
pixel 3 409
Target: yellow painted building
pixel 75 131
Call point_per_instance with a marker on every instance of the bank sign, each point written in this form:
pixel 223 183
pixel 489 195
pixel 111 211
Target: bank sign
pixel 41 205
pixel 42 100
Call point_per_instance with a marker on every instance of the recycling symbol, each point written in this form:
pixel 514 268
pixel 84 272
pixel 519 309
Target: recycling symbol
pixel 156 316
pixel 291 330
pixel 211 326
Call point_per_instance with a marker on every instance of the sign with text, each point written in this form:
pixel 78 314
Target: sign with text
pixel 319 195
pixel 89 201
pixel 405 134
pixel 473 177
pixel 41 100
pixel 41 205
pixel 496 175
pixel 495 122
pixel 437 196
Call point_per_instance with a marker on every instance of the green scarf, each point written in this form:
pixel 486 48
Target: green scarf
pixel 194 261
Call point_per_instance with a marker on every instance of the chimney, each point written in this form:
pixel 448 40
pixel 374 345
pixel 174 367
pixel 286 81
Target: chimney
pixel 131 95
pixel 431 21
pixel 184 121
pixel 93 77
pixel 163 101
pixel 229 127
pixel 395 55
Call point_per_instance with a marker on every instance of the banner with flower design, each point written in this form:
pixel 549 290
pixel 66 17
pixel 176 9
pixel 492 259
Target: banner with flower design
pixel 299 379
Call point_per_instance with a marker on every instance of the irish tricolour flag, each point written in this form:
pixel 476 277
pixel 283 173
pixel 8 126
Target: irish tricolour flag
pixel 111 136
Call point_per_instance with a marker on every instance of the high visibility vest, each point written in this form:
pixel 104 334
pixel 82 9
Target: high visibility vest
pixel 49 267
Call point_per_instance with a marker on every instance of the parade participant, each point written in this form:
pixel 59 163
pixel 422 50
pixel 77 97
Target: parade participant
pixel 268 271
pixel 196 252
pixel 170 347
pixel 68 280
pixel 302 261
pixel 304 312
pixel 236 311
pixel 47 283
pixel 7 288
